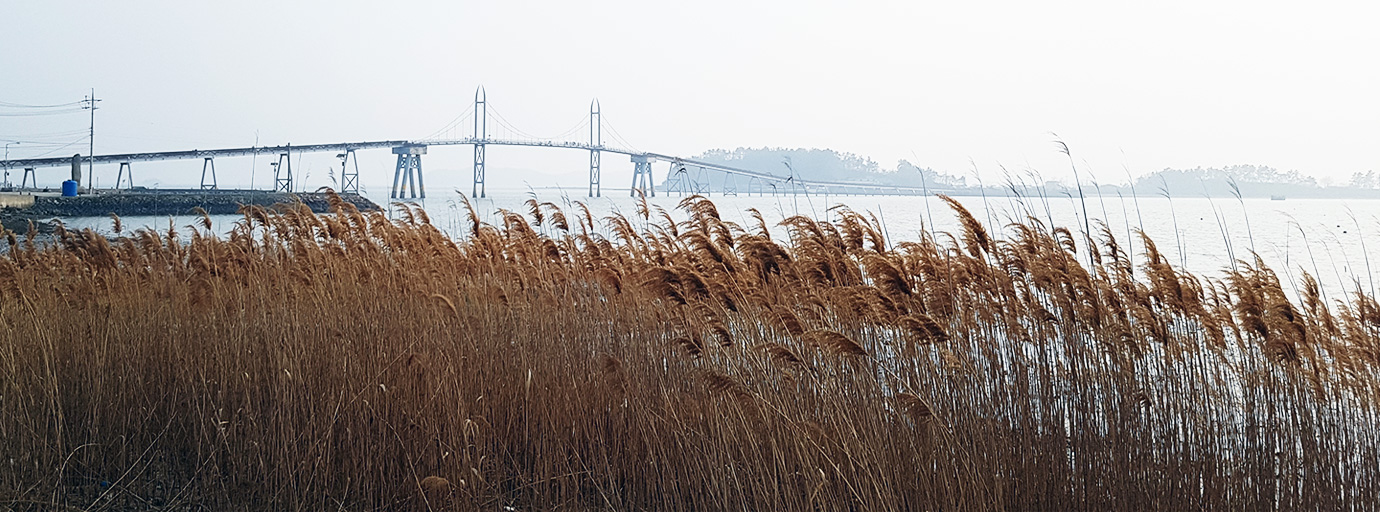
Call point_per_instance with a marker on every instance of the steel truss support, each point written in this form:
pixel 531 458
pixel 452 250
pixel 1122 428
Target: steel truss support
pixel 124 167
pixel 594 190
pixel 701 184
pixel 642 176
pixel 282 173
pixel 730 187
pixel 478 189
pixel 596 139
pixel 349 179
pixel 481 134
pixel 206 163
pixel 676 179
pixel 407 176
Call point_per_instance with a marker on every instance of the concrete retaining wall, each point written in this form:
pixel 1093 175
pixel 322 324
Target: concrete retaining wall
pixel 16 200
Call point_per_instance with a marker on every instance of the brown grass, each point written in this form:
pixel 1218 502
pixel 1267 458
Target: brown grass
pixel 311 362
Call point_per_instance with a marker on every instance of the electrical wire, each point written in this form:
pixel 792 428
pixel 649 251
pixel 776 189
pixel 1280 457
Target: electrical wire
pixel 37 136
pixel 32 144
pixel 41 113
pixel 60 148
pixel 7 104
pixel 583 123
pixel 505 123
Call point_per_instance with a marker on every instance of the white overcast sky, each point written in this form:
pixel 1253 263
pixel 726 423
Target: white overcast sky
pixel 1150 85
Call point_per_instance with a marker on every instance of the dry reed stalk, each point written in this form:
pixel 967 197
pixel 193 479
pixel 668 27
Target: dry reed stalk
pixel 309 361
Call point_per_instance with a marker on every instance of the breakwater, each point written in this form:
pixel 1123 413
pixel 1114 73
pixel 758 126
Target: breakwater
pixel 161 202
pixel 179 202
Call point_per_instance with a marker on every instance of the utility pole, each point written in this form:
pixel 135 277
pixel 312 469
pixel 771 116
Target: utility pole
pixel 91 149
pixel 7 161
pixel 795 203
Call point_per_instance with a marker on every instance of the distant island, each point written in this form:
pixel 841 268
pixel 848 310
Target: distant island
pixel 826 165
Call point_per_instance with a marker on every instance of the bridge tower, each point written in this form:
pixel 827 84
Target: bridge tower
pixel 349 180
pixel 596 140
pixel 282 172
pixel 642 176
pixel 481 134
pixel 408 174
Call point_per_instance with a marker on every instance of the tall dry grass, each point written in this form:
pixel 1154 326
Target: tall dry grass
pixel 564 361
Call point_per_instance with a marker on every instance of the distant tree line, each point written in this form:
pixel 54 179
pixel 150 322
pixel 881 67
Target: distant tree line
pixel 829 165
pixel 1246 179
pixel 1366 180
pixel 1250 181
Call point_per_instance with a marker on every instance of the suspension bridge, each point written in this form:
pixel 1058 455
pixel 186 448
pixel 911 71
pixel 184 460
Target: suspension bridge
pixel 683 175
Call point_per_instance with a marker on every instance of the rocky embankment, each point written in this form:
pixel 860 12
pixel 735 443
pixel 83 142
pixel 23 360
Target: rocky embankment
pixel 162 202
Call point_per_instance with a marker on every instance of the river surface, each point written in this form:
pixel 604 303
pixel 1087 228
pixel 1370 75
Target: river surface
pixel 1323 237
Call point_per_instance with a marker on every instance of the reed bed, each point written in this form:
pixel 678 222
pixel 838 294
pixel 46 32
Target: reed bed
pixel 559 361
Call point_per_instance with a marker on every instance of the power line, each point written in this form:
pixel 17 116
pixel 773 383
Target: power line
pixel 60 148
pixel 38 143
pixel 20 105
pixel 41 113
pixel 38 136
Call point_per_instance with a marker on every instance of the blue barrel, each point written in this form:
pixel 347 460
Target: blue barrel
pixel 69 188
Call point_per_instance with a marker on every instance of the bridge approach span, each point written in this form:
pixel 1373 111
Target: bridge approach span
pixel 407 177
pixel 34 163
pixel 205 154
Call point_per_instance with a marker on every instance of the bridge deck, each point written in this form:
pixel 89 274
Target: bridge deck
pixel 344 146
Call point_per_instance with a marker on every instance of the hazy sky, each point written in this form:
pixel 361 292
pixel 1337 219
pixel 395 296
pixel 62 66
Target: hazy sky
pixel 1149 84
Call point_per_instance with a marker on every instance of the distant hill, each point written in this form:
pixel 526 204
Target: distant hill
pixel 1249 181
pixel 829 165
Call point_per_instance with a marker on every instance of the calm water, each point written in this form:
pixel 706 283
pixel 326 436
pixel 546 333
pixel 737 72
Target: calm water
pixel 1319 236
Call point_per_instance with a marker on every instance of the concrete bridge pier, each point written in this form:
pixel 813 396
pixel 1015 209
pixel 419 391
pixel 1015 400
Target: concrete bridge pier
pixel 407 176
pixel 642 176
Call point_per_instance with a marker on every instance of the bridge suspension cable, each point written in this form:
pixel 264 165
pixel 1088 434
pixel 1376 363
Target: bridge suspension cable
pixel 467 115
pixel 579 127
pixel 508 130
pixel 504 123
pixel 617 137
